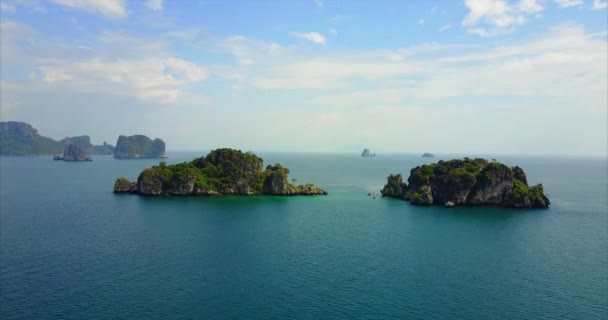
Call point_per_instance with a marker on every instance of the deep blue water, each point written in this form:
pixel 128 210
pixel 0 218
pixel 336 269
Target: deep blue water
pixel 71 249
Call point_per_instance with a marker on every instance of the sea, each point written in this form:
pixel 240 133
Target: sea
pixel 71 249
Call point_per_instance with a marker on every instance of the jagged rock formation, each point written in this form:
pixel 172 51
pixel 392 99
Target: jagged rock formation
pixel 467 182
pixel 367 154
pixel 221 172
pixel 74 152
pixel 84 142
pixel 124 185
pixel 139 146
pixel 20 138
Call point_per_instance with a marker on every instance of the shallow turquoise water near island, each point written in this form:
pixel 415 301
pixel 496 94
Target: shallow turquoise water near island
pixel 70 249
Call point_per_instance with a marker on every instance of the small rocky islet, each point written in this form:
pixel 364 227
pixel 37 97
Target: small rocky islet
pixel 73 152
pixel 222 172
pixel 467 182
pixel 367 154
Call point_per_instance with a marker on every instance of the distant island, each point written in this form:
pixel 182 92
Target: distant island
pixel 21 139
pixel 73 152
pixel 367 154
pixel 221 172
pixel 139 146
pixel 467 182
pixel 427 155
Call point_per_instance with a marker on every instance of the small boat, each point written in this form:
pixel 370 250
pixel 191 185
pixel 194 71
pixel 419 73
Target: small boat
pixel 56 157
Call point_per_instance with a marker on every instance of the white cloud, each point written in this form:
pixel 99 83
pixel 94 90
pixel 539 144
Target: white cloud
pixel 599 4
pixel 568 3
pixel 529 6
pixel 313 37
pixel 332 32
pixel 247 51
pixel 329 73
pixel 155 5
pixel 319 3
pixel 568 63
pixel 493 17
pixel 161 80
pixel 107 8
pixel 110 64
pixel 421 21
pixel 444 28
pixel 7 7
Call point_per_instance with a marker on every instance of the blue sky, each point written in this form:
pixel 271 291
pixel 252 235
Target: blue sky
pixel 473 76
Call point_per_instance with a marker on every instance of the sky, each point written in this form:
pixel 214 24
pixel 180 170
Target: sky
pixel 472 76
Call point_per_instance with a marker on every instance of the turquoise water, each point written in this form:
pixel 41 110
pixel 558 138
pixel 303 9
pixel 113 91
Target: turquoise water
pixel 70 249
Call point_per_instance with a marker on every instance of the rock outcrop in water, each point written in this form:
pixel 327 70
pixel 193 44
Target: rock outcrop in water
pixel 367 154
pixel 221 172
pixel 74 152
pixel 467 182
pixel 84 142
pixel 139 146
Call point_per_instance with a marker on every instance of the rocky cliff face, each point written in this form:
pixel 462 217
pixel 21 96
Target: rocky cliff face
pixel 276 181
pixel 493 186
pixel 467 182
pixel 139 146
pixel 74 152
pixel 124 185
pixel 221 172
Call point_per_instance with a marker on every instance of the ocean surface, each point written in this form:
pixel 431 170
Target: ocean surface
pixel 71 249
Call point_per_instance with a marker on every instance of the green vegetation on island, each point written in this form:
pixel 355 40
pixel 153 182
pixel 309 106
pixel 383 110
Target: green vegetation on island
pixel 221 172
pixel 139 146
pixel 467 182
pixel 21 139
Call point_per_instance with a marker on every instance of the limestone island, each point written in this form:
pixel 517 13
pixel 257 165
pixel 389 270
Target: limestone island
pixel 221 172
pixel 367 154
pixel 138 147
pixel 427 155
pixel 73 152
pixel 467 182
pixel 21 139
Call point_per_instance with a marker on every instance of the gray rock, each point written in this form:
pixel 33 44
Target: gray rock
pixel 494 184
pixel 74 152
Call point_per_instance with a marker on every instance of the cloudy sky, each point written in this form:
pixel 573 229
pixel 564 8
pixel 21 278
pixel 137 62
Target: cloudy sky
pixel 472 76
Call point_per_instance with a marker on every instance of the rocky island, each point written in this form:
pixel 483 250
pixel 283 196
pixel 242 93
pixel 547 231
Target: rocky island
pixel 367 154
pixel 21 139
pixel 84 142
pixel 73 152
pixel 467 182
pixel 139 146
pixel 221 172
